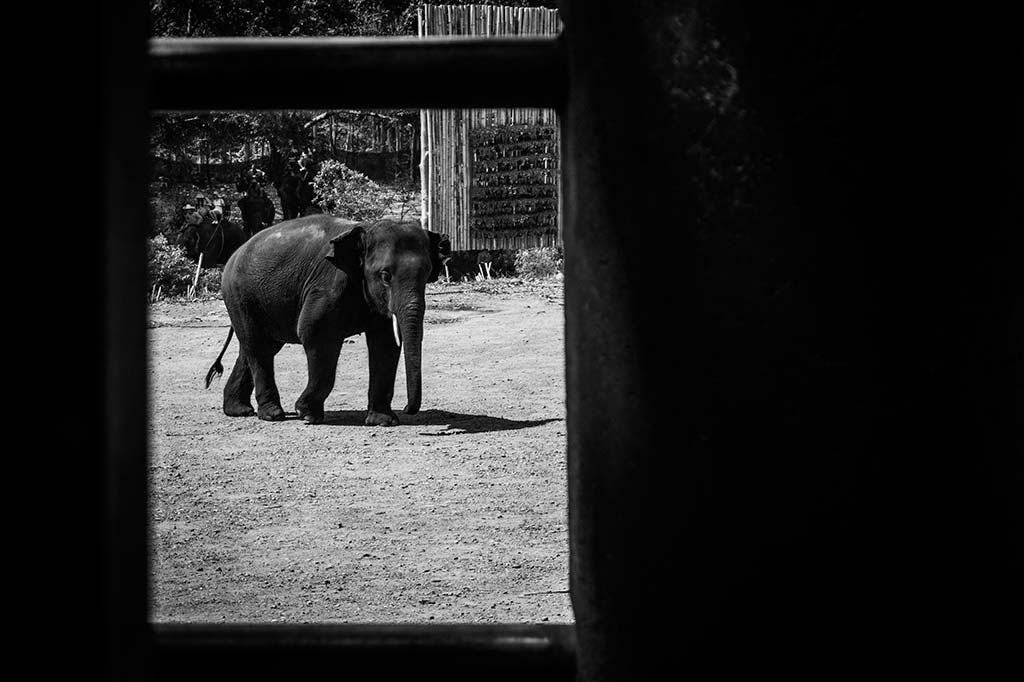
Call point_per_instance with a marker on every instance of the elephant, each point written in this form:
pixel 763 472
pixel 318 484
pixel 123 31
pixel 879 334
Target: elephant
pixel 316 281
pixel 257 209
pixel 216 241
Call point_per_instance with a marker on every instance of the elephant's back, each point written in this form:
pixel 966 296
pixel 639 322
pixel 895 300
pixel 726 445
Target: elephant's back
pixel 285 244
pixel 234 235
pixel 266 275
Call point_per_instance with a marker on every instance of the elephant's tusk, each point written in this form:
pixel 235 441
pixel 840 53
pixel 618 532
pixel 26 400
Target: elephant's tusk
pixel 394 328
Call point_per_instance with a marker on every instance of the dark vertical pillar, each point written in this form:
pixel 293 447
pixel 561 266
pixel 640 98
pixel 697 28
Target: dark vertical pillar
pixel 123 218
pixel 816 480
pixel 636 462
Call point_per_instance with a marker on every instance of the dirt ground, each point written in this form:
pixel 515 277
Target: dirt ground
pixel 456 515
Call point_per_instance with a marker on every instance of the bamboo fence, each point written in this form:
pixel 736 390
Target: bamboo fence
pixel 490 178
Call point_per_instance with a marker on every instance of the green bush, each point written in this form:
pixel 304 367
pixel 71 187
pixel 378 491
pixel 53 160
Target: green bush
pixel 164 209
pixel 209 282
pixel 539 263
pixel 170 271
pixel 344 192
pixel 503 263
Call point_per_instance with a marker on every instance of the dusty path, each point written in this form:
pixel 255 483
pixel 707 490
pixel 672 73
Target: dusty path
pixel 456 515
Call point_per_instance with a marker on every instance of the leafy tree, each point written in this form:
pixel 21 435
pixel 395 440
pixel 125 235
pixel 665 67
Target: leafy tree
pixel 199 18
pixel 350 194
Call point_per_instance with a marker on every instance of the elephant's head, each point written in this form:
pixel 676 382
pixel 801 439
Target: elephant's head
pixel 189 235
pixel 393 262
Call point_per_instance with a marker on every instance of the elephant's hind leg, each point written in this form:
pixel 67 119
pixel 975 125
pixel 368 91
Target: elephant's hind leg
pixel 268 400
pixel 322 366
pixel 238 390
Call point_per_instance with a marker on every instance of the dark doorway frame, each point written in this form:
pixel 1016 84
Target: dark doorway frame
pixel 888 551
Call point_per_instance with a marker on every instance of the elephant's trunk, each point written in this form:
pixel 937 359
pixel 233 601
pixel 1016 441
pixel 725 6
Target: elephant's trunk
pixel 409 326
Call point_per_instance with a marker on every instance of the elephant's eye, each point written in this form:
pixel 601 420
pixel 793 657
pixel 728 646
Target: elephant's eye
pixel 386 276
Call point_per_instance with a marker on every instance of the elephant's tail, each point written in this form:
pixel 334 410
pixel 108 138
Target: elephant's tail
pixel 217 369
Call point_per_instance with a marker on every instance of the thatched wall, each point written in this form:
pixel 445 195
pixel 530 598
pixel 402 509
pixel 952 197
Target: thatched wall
pixel 490 177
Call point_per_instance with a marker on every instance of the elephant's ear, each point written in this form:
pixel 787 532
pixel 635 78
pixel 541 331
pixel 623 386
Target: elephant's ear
pixel 440 253
pixel 346 251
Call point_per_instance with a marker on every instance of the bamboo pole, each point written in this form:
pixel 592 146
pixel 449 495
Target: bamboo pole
pixel 195 280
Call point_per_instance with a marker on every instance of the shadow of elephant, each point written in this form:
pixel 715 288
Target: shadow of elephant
pixel 453 422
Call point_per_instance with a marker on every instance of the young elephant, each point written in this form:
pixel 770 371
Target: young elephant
pixel 316 281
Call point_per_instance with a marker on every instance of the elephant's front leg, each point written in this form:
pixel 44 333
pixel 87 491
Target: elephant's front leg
pixel 383 353
pixel 322 366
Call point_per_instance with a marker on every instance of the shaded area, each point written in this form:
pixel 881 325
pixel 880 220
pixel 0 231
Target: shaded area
pixel 510 651
pixel 453 422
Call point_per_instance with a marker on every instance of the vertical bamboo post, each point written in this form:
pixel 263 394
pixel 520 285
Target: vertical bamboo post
pixel 195 280
pixel 424 134
pixel 446 149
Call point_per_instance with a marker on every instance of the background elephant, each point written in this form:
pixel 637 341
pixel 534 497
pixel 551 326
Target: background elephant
pixel 257 209
pixel 216 241
pixel 316 281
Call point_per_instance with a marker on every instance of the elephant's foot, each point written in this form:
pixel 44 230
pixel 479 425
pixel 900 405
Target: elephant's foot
pixel 374 418
pixel 238 410
pixel 271 413
pixel 311 415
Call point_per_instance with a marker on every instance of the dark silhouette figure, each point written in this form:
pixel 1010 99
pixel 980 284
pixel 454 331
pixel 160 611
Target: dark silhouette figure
pixel 288 193
pixel 257 209
pixel 308 168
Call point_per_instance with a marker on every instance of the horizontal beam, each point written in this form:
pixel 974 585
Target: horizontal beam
pixel 380 652
pixel 211 74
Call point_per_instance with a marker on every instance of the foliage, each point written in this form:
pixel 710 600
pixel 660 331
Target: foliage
pixel 539 263
pixel 209 281
pixel 187 18
pixel 165 205
pixel 231 137
pixel 243 18
pixel 171 272
pixel 169 268
pixel 347 193
pixel 503 263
